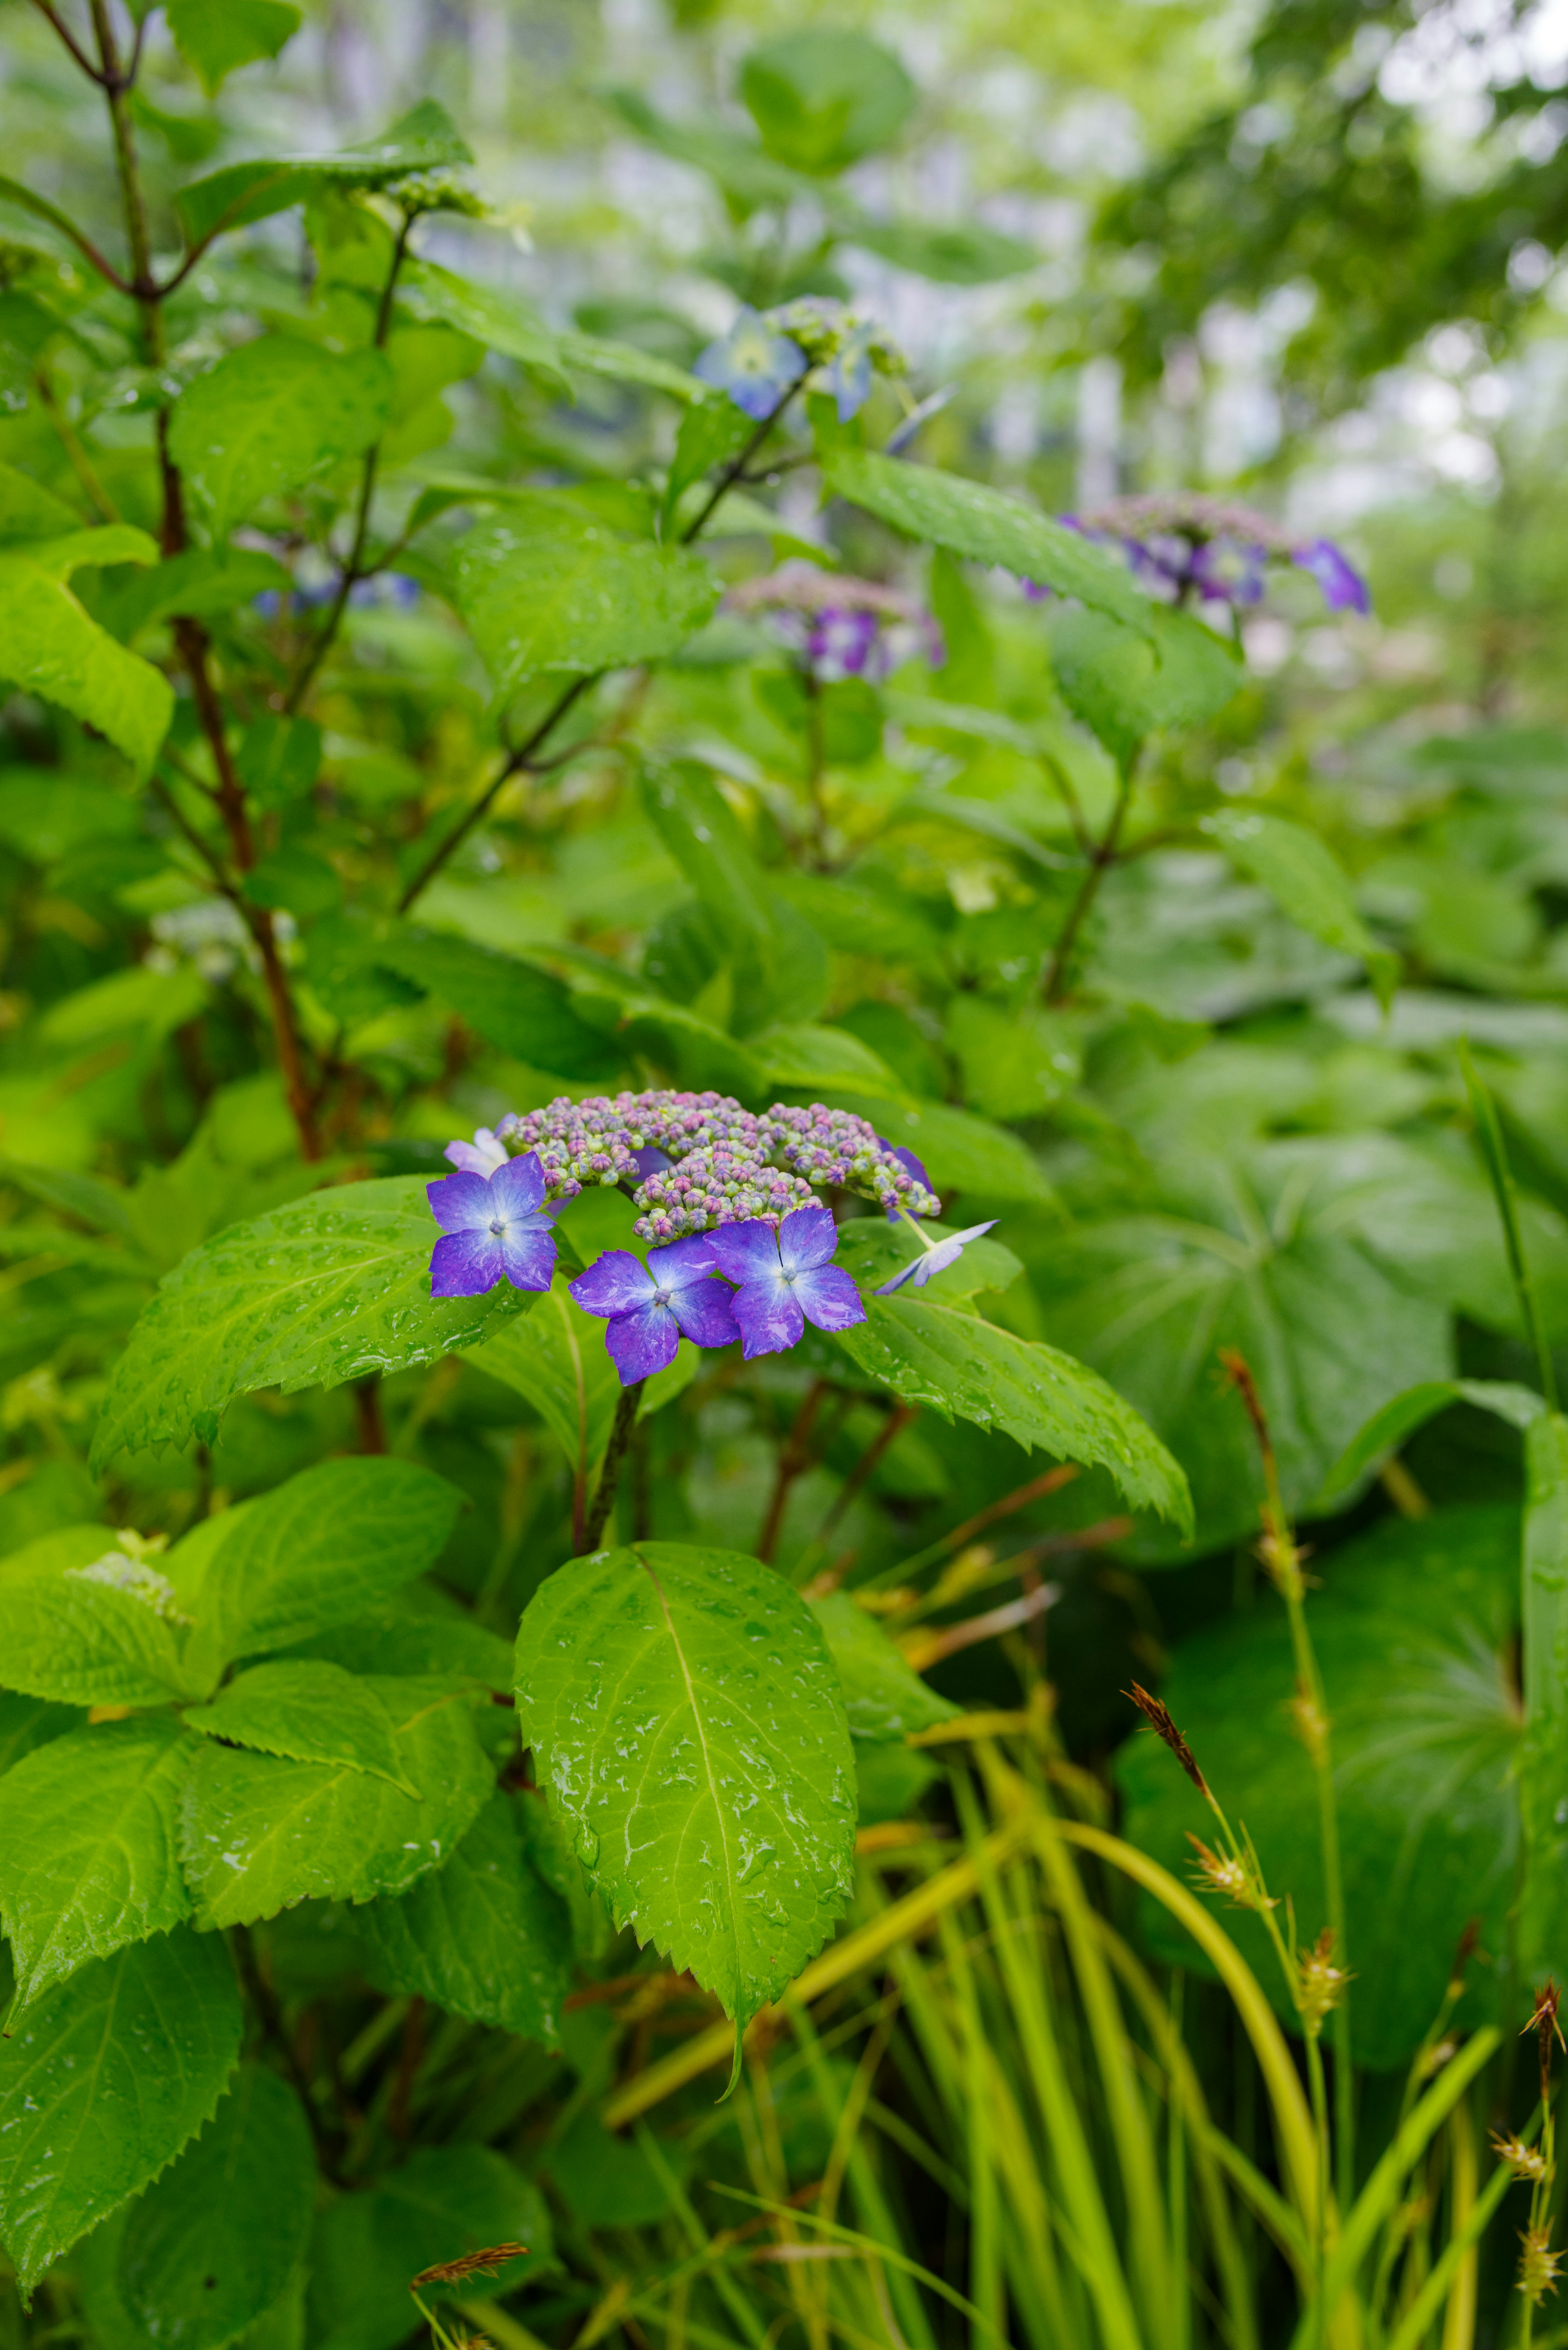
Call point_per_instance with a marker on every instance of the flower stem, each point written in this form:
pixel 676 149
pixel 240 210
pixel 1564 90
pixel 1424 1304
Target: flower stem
pixel 1101 858
pixel 615 1452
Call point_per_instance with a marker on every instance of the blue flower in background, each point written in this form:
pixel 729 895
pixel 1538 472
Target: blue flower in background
pixel 786 1279
pixel 1344 588
pixel 937 1257
pixel 753 364
pixel 493 1228
pixel 849 374
pixel 650 1306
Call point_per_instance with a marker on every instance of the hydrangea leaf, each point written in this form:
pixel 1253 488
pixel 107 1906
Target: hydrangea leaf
pixel 422 140
pixel 273 415
pixel 317 1551
pixel 259 1834
pixel 212 2244
pixel 930 1353
pixel 1413 1630
pixel 546 587
pixel 75 1628
pixel 218 37
pixel 884 1697
pixel 1404 1414
pixel 328 1288
pixel 90 1846
pixel 1305 881
pixel 970 519
pixel 306 1711
pixel 50 647
pixel 959 1151
pixel 104 2083
pixel 27 1723
pixel 1165 668
pixel 684 1711
pixel 483 1938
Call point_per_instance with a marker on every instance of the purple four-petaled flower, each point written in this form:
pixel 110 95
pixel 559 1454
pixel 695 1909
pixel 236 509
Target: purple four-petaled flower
pixel 935 1257
pixel 1344 588
pixel 754 364
pixel 785 1279
pixel 492 1227
pixel 650 1306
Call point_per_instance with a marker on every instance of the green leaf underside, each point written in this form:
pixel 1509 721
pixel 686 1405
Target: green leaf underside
pixel 884 1697
pixel 544 588
pixel 1413 1630
pixel 683 1708
pixel 306 1711
pixel 970 519
pixel 259 1834
pixel 212 2244
pixel 483 1936
pixel 330 1288
pixel 273 415
pixel 422 140
pixel 48 646
pixel 930 1353
pixel 1404 1414
pixel 442 2201
pixel 319 1550
pixel 65 1636
pixel 104 2082
pixel 558 1360
pixel 90 1846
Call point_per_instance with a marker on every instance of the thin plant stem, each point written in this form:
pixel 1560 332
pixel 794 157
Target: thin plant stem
pixel 610 1475
pixel 1101 858
pixel 1494 1152
pixel 795 1458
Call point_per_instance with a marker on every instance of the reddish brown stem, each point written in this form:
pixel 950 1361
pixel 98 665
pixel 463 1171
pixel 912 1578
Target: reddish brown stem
pixel 793 1459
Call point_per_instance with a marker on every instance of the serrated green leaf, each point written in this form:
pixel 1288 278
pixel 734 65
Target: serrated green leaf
pixel 212 2244
pixel 28 511
pixel 306 1711
pixel 330 1288
pixel 27 1723
pixel 48 646
pixel 803 1054
pixel 412 1639
pixel 1302 876
pixel 961 1152
pixel 624 363
pixel 1412 1629
pixel 90 1846
pixel 1124 682
pixel 941 1355
pixel 483 1938
pixel 871 1249
pixel 514 1006
pixel 1404 1414
pixel 546 588
pixel 423 140
pixel 259 1834
pixel 823 97
pixel 218 37
pixel 69 1631
pixel 105 2082
pixel 318 1551
pixel 273 415
pixel 682 1706
pixel 711 432
pixel 444 2200
pixel 493 315
pixel 884 1698
pixel 969 519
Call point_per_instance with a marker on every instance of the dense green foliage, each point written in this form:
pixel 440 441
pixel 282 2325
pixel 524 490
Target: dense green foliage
pixel 492 1662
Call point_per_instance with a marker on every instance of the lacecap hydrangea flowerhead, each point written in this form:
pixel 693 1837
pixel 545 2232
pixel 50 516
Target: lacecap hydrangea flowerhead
pixel 1184 545
pixel 839 627
pixel 821 344
pixel 741 1246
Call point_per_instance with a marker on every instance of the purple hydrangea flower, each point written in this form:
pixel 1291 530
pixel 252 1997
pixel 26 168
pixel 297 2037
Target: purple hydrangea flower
pixel 649 1306
pixel 492 1227
pixel 935 1258
pixel 907 1161
pixel 1344 588
pixel 755 366
pixel 1228 569
pixel 840 645
pixel 786 1279
pixel 482 1156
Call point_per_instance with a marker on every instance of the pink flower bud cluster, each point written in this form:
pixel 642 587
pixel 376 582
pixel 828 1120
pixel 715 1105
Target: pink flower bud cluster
pixel 725 1165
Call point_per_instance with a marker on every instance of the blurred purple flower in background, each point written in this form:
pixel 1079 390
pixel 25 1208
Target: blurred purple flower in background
pixel 1183 545
pixel 754 363
pixel 1344 588
pixel 650 1306
pixel 840 626
pixel 786 1279
pixel 492 1227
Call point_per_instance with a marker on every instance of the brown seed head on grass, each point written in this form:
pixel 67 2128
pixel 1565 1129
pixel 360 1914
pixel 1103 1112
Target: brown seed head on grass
pixel 468 2264
pixel 1524 2161
pixel 1157 1717
pixel 1219 1873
